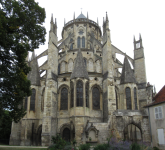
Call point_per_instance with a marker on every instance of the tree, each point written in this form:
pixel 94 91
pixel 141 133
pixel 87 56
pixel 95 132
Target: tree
pixel 21 31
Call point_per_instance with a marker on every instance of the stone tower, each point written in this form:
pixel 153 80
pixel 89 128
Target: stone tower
pixel 82 94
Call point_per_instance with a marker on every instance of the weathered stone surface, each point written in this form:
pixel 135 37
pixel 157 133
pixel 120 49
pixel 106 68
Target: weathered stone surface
pixel 94 65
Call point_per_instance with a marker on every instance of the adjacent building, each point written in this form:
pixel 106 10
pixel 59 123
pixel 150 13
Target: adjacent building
pixel 156 111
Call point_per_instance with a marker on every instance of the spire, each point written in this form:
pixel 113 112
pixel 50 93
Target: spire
pixel 79 70
pixel 87 15
pixel 140 36
pixel 97 21
pixel 107 17
pixel 103 20
pixel 52 18
pixel 134 38
pixel 127 75
pixel 74 16
pixel 34 75
pixel 55 22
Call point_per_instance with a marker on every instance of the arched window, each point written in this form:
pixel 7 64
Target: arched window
pixel 87 94
pixel 85 62
pixel 70 65
pixel 58 68
pixel 83 42
pixel 96 98
pixel 116 100
pixel 42 100
pixel 79 93
pixel 71 46
pixel 78 42
pixel 72 95
pixel 135 99
pixel 26 101
pixel 63 67
pixel 32 100
pixel 128 98
pixel 64 99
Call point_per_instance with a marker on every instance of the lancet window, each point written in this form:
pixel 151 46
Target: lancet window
pixel 96 98
pixel 116 100
pixel 72 95
pixel 87 94
pixel 128 98
pixel 78 42
pixel 64 99
pixel 85 62
pixel 83 42
pixel 42 100
pixel 135 99
pixel 32 100
pixel 79 94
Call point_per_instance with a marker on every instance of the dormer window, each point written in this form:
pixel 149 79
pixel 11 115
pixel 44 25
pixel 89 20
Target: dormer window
pixel 137 45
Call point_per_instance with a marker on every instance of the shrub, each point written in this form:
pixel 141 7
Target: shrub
pixel 155 148
pixel 135 146
pixel 58 141
pixel 84 147
pixel 101 147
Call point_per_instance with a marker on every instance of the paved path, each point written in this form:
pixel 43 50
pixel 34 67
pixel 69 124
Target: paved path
pixel 23 146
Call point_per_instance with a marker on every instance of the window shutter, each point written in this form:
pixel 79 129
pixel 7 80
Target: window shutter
pixel 156 113
pixel 161 136
pixel 160 112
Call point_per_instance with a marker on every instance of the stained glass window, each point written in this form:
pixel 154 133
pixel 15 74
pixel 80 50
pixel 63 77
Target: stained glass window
pixel 25 105
pixel 83 41
pixel 32 100
pixel 78 42
pixel 79 93
pixel 64 99
pixel 96 98
pixel 128 98
pixel 87 94
pixel 135 99
pixel 72 95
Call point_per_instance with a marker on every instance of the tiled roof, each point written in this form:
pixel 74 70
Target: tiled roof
pixel 159 98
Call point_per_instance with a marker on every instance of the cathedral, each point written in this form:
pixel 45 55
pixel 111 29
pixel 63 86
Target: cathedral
pixel 83 95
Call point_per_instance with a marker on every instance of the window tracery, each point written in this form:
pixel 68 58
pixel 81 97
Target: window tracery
pixel 26 101
pixel 79 89
pixel 64 99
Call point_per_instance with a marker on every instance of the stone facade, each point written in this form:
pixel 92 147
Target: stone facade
pixel 83 95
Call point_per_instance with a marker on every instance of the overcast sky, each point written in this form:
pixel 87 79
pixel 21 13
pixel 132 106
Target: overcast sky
pixel 126 19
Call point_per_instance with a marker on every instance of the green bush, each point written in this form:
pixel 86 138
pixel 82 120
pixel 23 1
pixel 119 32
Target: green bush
pixel 101 147
pixel 59 142
pixel 135 146
pixel 155 148
pixel 84 147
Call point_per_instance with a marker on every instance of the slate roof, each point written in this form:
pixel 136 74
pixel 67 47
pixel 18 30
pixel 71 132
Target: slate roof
pixel 127 75
pixel 34 75
pixel 81 16
pixel 79 70
pixel 159 98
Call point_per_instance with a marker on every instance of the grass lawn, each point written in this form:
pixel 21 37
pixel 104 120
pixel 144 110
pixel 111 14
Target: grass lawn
pixel 21 148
